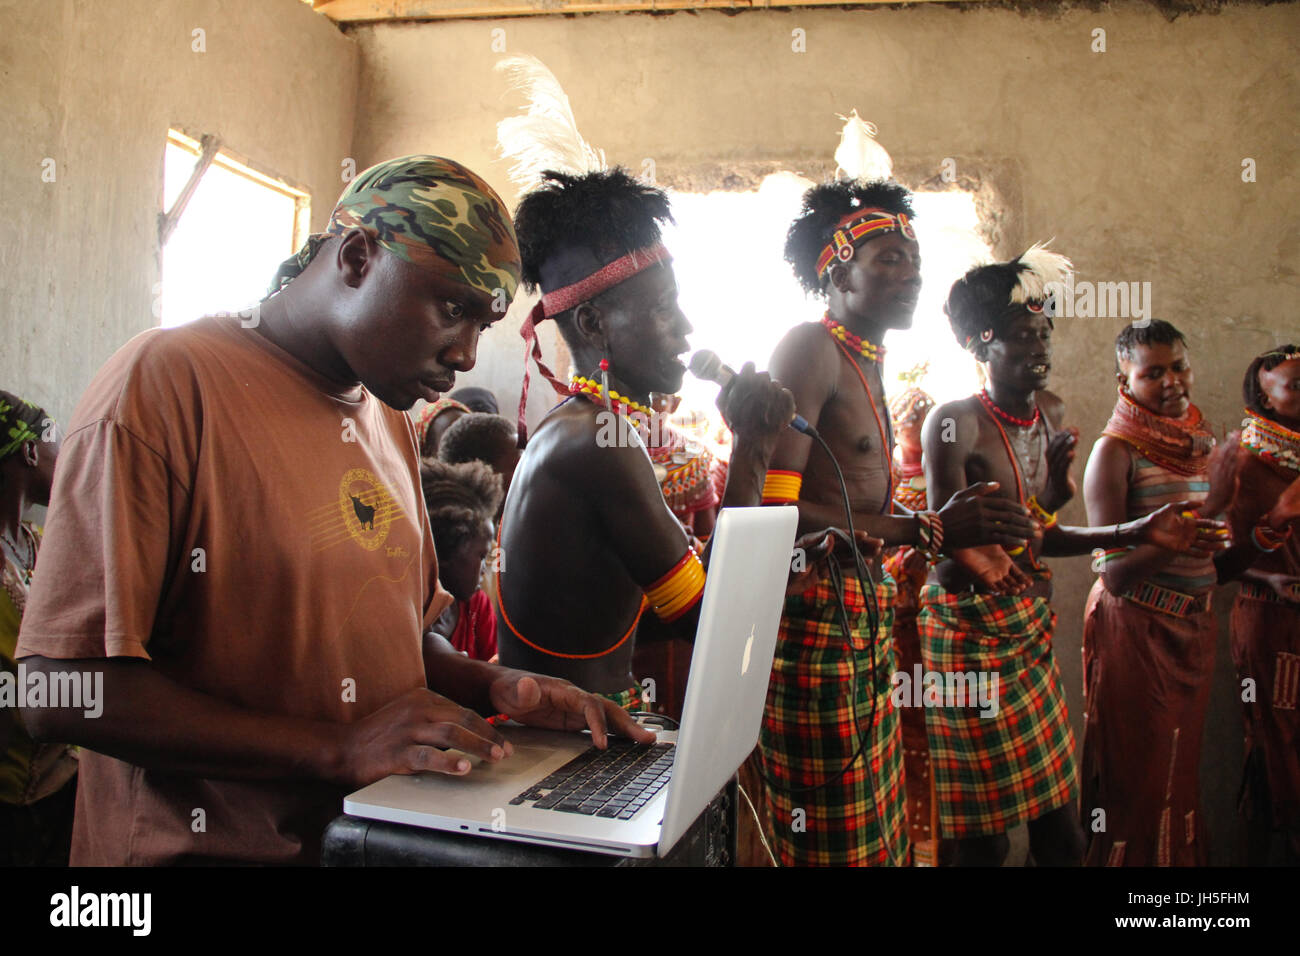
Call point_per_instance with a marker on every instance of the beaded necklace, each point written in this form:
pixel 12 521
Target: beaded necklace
pixel 868 350
pixel 1181 445
pixel 885 443
pixel 590 389
pixel 23 566
pixel 1031 502
pixel 1274 443
pixel 987 401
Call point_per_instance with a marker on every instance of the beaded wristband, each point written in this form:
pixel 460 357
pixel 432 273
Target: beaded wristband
pixel 1046 518
pixel 936 531
pixel 1266 539
pixel 929 534
pixel 781 487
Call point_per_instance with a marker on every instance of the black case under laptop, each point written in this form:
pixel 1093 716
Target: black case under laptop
pixel 353 841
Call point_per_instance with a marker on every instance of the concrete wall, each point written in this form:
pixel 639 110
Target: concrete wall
pixel 1132 158
pixel 95 86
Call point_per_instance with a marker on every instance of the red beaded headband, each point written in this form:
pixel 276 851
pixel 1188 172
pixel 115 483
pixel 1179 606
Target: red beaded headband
pixel 857 226
pixel 606 277
pixel 565 298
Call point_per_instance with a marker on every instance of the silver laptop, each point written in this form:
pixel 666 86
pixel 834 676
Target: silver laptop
pixel 632 800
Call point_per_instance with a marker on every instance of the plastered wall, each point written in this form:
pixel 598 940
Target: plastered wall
pixel 94 86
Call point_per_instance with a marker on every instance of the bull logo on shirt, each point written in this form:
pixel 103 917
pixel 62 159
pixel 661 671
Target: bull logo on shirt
pixel 363 512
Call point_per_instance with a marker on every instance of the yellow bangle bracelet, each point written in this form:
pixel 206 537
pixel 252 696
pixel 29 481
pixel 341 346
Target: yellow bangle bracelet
pixel 674 593
pixel 781 487
pixel 674 609
pixel 1048 518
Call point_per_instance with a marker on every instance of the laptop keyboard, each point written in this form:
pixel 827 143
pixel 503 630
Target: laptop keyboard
pixel 615 782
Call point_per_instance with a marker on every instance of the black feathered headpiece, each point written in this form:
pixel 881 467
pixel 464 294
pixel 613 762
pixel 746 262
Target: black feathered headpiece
pixel 985 299
pixel 572 225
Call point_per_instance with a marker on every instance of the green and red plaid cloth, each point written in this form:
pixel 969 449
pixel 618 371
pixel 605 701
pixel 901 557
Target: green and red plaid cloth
pixel 992 773
pixel 809 734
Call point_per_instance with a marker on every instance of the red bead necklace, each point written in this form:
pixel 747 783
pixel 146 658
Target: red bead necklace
pixel 988 403
pixel 868 350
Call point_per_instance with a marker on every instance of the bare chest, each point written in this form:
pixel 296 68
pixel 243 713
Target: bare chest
pixel 855 420
pixel 1013 456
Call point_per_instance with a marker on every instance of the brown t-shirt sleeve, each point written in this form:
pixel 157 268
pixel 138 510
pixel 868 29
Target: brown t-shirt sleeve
pixel 104 561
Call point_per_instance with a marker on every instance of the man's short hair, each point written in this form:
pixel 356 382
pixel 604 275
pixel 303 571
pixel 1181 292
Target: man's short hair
pixel 460 498
pixel 1154 332
pixel 476 437
pixel 823 207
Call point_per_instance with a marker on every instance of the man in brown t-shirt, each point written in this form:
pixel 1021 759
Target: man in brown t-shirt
pixel 237 543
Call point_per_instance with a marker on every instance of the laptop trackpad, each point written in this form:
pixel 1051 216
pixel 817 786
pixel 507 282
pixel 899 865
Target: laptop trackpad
pixel 519 762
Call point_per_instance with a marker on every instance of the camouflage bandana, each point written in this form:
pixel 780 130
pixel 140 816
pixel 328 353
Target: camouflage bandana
pixel 14 431
pixel 430 211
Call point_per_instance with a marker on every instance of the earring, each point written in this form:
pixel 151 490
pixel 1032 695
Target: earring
pixel 604 383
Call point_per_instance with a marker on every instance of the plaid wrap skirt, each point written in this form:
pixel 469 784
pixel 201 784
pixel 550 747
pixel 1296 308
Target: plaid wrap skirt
pixel 994 772
pixel 809 734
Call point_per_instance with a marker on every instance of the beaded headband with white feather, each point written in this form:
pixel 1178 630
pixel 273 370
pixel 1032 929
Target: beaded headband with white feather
pixel 859 157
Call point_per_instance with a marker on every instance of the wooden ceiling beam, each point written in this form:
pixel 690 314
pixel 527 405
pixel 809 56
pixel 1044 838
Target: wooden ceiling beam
pixel 363 11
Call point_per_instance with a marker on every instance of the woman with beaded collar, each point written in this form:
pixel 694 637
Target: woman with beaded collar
pixel 1266 614
pixel 1149 633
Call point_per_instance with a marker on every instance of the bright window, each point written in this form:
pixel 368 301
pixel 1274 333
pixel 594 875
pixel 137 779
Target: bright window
pixel 741 296
pixel 237 227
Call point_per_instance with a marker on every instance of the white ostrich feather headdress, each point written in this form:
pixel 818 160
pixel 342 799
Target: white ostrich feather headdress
pixel 544 135
pixel 1041 270
pixel 859 156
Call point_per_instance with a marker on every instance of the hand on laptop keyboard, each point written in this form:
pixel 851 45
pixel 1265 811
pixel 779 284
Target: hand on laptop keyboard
pixel 411 735
pixel 556 704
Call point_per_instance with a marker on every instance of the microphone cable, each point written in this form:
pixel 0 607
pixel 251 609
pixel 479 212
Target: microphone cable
pixel 836 575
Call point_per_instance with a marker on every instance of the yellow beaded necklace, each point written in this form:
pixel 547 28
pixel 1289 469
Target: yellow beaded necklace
pixel 868 350
pixel 578 385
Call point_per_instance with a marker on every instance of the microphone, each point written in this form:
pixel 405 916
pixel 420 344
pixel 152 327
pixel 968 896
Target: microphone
pixel 705 364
